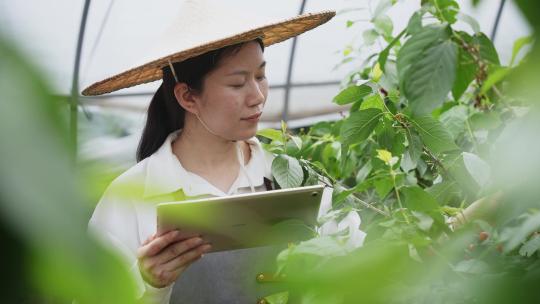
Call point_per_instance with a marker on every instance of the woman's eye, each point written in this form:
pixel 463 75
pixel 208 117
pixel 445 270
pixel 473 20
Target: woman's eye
pixel 237 85
pixel 261 77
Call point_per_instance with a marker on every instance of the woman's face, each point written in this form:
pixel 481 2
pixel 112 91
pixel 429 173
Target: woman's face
pixel 233 92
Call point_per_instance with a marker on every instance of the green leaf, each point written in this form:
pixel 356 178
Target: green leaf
pixel 465 74
pixel 363 172
pixel 454 120
pixel 530 247
pixel 398 141
pixel 455 166
pixel 415 146
pixel 344 159
pixel 272 134
pixel 45 200
pixel 359 126
pixel 383 186
pixel 469 20
pixel 287 171
pixel 278 298
pixel 446 10
pixel 485 121
pixel 412 49
pixel 386 135
pixel 374 101
pixel 487 49
pixel 494 78
pixel 382 7
pixel 407 164
pixel 415 23
pixel 383 25
pixel 419 200
pixel 472 267
pixel 370 36
pixel 431 77
pixel 522 232
pixel 477 168
pixel 297 141
pixel 352 94
pixel 312 176
pixel 444 192
pixel 424 221
pixel 331 151
pixel 518 45
pixel 383 56
pixel 340 194
pixel 434 135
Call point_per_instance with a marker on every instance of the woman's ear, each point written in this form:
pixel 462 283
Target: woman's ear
pixel 185 97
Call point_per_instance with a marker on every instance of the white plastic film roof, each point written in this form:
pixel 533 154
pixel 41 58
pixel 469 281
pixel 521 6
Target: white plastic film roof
pixel 118 33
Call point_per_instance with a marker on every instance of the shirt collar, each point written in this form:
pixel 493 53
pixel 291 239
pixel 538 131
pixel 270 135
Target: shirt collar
pixel 165 173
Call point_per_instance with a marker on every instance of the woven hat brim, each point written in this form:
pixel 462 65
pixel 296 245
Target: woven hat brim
pixel 271 34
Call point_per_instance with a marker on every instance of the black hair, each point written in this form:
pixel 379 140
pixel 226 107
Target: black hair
pixel 165 114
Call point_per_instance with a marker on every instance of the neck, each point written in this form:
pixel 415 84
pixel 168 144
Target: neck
pixel 201 151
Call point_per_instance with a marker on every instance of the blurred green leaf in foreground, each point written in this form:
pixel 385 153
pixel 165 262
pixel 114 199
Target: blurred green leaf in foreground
pixel 43 208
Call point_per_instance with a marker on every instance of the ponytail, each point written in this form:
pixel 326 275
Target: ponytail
pixel 164 116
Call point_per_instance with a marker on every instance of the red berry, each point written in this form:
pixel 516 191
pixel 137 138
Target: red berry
pixel 483 236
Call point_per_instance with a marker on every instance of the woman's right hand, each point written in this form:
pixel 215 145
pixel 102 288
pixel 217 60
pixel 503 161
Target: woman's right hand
pixel 163 257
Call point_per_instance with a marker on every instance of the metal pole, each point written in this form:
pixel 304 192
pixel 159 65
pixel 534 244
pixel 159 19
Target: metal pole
pixel 74 100
pixel 285 113
pixel 497 20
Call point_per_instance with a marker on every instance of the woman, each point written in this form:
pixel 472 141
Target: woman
pixel 198 142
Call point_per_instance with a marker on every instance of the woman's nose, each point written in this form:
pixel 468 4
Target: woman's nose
pixel 258 93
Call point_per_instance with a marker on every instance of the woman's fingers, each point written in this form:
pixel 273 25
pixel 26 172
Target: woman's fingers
pixel 178 248
pixel 164 267
pixel 149 239
pixel 158 243
pixel 187 258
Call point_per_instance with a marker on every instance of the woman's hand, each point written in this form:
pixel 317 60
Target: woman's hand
pixel 162 258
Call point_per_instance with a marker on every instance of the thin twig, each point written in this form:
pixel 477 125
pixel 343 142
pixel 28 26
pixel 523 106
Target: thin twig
pixel 368 205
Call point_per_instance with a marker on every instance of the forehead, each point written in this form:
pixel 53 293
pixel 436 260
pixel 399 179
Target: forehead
pixel 249 56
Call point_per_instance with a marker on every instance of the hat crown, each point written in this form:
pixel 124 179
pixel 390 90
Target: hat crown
pixel 202 21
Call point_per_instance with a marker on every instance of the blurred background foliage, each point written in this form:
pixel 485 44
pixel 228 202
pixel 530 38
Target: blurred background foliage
pixel 409 171
pixel 439 154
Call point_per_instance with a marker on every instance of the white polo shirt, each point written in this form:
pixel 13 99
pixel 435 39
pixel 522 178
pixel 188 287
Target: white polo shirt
pixel 126 215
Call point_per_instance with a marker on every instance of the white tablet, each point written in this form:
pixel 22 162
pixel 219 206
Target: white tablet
pixel 247 220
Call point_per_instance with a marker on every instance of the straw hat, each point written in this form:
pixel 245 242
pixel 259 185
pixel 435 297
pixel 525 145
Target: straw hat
pixel 203 26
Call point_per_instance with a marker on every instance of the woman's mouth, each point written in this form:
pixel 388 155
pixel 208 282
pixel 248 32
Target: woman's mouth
pixel 254 117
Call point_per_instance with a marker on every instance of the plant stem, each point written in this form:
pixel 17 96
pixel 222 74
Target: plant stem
pixel 354 197
pixel 437 162
pixel 369 206
pixel 473 139
pixel 398 197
